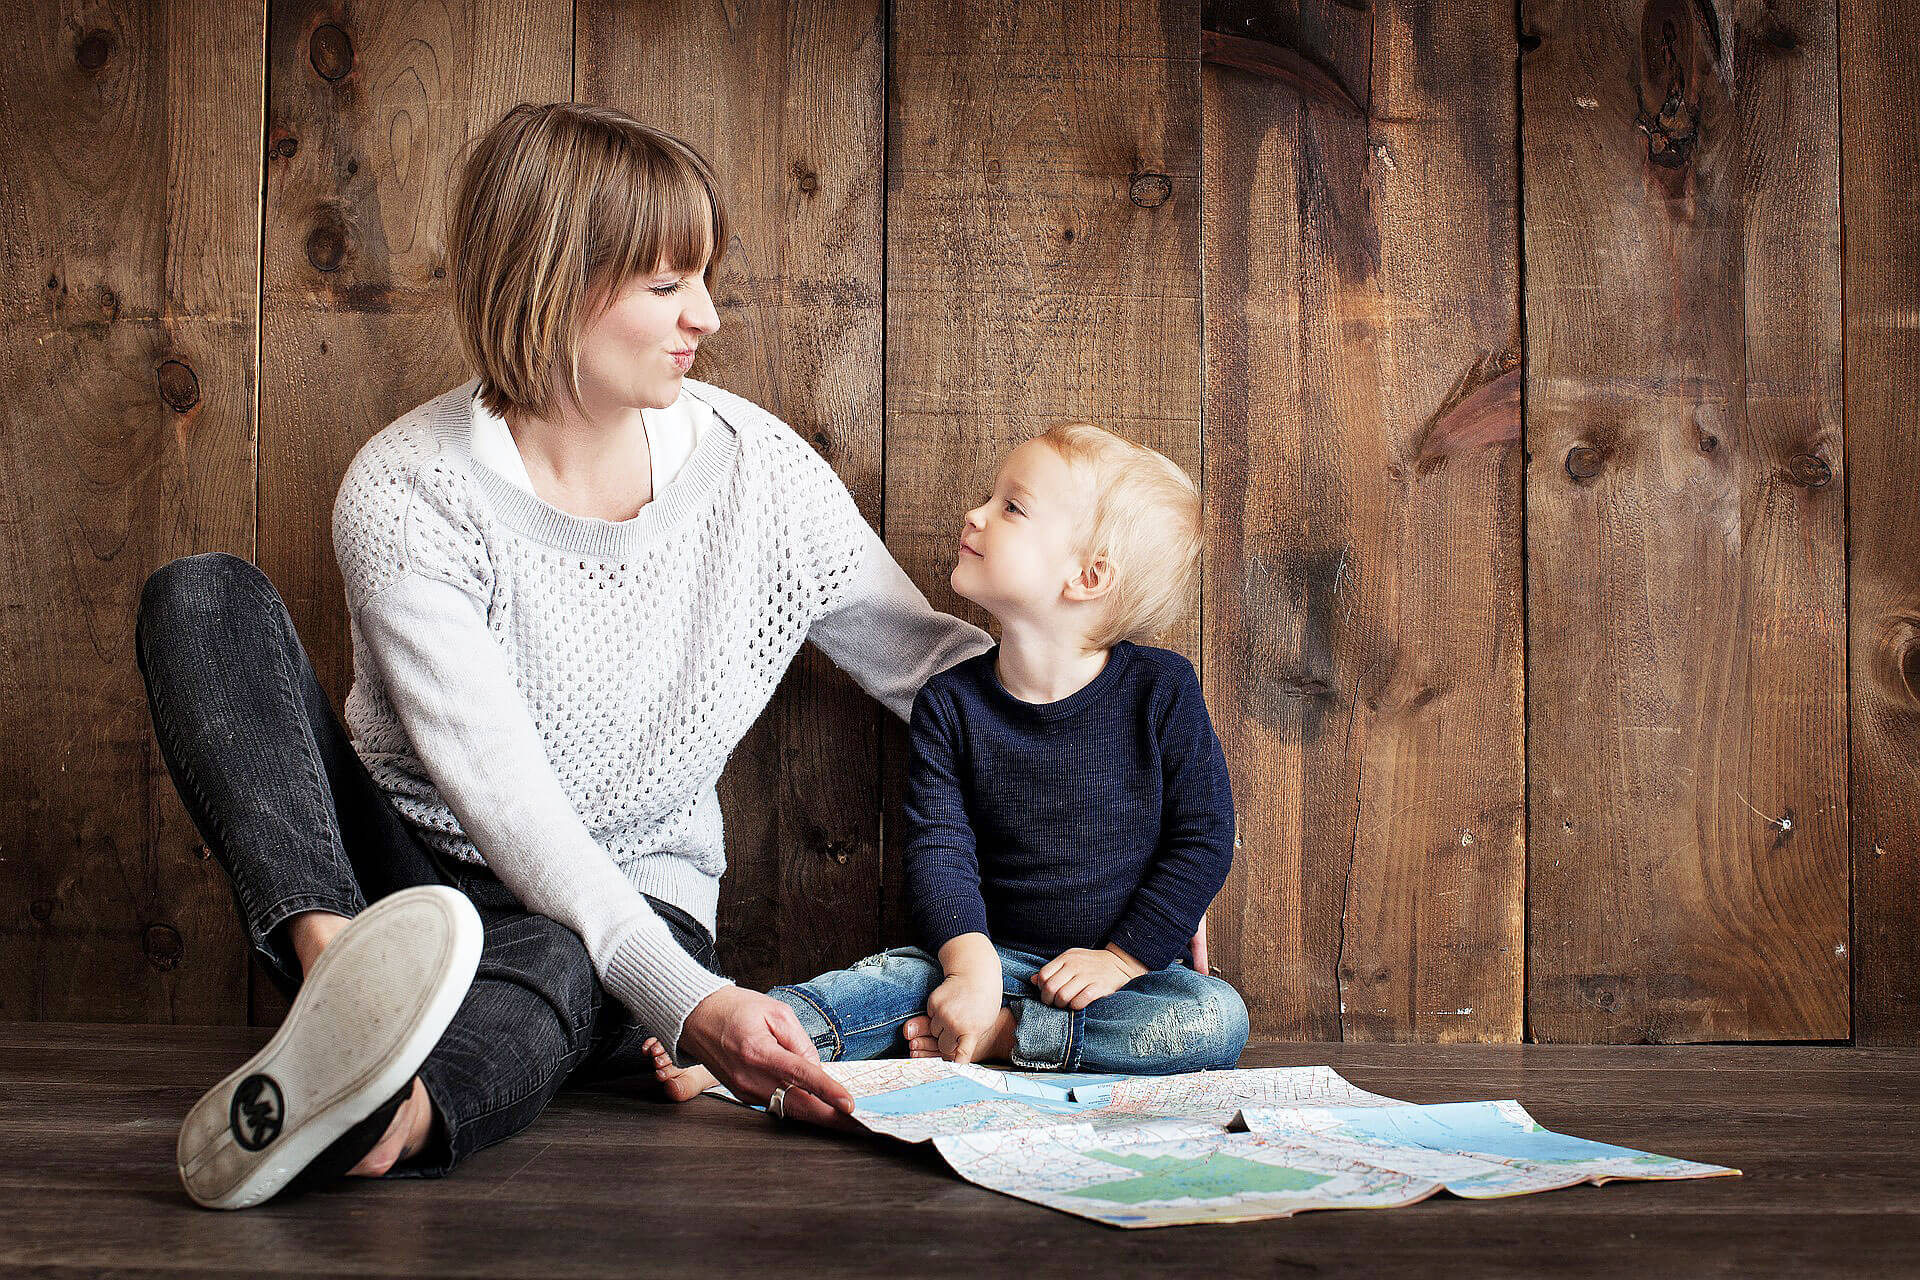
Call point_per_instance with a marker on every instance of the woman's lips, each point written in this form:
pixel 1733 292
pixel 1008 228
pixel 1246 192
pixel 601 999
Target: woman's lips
pixel 682 360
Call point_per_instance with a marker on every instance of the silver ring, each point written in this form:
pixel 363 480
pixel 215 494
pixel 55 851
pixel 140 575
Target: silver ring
pixel 777 1104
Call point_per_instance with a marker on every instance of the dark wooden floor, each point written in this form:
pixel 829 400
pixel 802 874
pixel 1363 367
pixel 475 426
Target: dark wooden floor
pixel 603 1184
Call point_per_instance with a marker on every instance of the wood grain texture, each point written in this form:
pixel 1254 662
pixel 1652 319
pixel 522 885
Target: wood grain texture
pixel 1042 260
pixel 786 101
pixel 1686 682
pixel 1363 605
pixel 369 110
pixel 129 241
pixel 1825 1139
pixel 1880 168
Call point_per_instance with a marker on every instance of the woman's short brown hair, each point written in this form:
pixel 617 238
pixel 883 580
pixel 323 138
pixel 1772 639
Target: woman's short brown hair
pixel 556 207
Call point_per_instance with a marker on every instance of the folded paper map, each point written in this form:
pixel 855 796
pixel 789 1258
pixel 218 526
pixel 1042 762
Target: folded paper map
pixel 1221 1146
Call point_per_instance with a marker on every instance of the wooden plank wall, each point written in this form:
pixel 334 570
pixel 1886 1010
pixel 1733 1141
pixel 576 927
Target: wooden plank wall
pixel 1879 158
pixel 1363 615
pixel 1686 583
pixel 1507 344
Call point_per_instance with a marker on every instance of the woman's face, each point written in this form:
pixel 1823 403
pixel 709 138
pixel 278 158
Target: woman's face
pixel 636 353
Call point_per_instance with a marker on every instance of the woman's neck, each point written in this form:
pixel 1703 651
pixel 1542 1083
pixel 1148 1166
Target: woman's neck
pixel 601 467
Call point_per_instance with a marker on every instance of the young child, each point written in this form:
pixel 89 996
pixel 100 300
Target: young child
pixel 1068 814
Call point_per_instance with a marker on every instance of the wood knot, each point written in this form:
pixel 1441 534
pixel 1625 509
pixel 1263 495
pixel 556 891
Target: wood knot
pixel 1906 661
pixel 163 946
pixel 1584 461
pixel 41 910
pixel 285 146
pixel 807 180
pixel 179 386
pixel 94 49
pixel 327 243
pixel 1809 469
pixel 1672 130
pixel 1150 190
pixel 331 52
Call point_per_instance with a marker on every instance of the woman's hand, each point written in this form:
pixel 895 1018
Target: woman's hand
pixel 1077 977
pixel 962 1010
pixel 753 1045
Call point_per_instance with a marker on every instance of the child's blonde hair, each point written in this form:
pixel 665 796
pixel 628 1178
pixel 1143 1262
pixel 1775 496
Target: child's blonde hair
pixel 557 206
pixel 1145 520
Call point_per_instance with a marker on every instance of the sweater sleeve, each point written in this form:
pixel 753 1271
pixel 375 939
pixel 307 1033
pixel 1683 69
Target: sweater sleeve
pixel 883 633
pixel 941 862
pixel 451 688
pixel 1196 833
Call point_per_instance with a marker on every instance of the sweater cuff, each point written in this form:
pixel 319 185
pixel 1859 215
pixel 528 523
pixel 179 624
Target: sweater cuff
pixel 945 919
pixel 652 975
pixel 1153 940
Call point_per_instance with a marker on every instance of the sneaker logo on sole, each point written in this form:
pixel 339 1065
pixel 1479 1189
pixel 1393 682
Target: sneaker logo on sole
pixel 257 1112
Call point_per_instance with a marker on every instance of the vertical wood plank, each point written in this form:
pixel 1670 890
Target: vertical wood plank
pixel 1364 657
pixel 1042 258
pixel 1687 768
pixel 786 102
pixel 129 146
pixel 1880 167
pixel 368 111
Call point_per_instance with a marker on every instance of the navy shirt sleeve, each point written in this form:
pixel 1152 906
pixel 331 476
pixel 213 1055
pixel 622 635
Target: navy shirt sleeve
pixel 1196 832
pixel 941 861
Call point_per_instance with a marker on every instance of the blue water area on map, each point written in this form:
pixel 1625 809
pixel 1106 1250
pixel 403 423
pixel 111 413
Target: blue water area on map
pixel 955 1092
pixel 1476 1127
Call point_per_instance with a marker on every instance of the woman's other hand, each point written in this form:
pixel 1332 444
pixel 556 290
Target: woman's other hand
pixel 753 1044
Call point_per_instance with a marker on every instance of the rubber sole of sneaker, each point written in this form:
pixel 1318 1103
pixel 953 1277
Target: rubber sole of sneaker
pixel 363 1021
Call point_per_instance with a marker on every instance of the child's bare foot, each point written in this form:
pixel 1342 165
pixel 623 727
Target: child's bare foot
pixel 681 1084
pixel 995 1046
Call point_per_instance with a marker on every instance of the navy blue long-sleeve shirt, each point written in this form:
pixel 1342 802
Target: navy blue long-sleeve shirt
pixel 1106 816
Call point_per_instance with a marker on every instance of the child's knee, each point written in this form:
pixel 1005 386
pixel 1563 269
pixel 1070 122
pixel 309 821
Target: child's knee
pixel 1228 1015
pixel 1204 1030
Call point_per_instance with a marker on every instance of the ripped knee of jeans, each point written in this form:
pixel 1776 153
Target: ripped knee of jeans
pixel 1212 1027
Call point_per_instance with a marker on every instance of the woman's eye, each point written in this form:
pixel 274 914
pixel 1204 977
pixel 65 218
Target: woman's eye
pixel 665 289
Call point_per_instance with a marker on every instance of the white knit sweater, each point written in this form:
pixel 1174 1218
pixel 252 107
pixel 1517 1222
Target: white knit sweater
pixel 556 695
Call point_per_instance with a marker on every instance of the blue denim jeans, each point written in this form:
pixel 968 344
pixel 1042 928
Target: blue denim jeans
pixel 1164 1022
pixel 274 786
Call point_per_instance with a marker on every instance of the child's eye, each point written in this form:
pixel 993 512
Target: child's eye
pixel 1015 508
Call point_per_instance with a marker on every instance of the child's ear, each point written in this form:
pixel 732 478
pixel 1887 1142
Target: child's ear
pixel 1094 580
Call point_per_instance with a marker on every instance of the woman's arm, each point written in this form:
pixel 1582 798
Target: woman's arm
pixel 884 634
pixel 450 686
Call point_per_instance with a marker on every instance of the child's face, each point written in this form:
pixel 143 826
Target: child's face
pixel 1015 556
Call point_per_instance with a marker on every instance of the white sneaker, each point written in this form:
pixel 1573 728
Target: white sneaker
pixel 363 1021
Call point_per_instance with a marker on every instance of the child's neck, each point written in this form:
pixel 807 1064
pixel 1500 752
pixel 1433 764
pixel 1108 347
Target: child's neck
pixel 1037 667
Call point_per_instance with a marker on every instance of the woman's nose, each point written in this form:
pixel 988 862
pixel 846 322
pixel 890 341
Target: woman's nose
pixel 700 316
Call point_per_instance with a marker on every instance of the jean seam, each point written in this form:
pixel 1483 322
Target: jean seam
pixel 839 1044
pixel 166 731
pixel 565 1065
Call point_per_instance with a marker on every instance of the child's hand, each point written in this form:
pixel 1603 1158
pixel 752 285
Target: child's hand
pixel 1077 977
pixel 962 1010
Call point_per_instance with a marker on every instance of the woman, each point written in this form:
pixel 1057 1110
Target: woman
pixel 573 583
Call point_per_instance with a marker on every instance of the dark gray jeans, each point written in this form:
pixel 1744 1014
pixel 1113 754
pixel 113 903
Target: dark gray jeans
pixel 269 777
